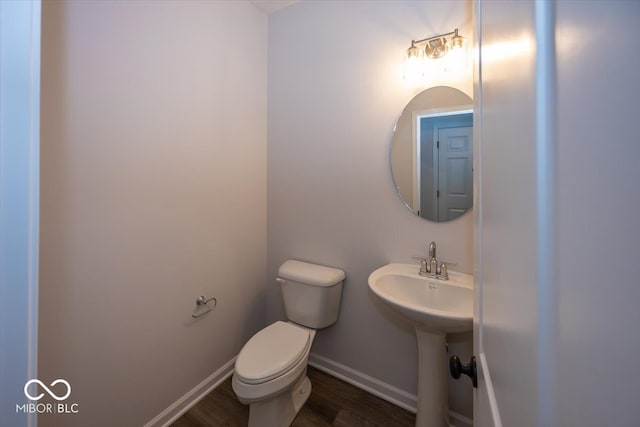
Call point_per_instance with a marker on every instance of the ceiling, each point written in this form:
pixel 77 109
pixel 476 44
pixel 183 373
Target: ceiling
pixel 270 6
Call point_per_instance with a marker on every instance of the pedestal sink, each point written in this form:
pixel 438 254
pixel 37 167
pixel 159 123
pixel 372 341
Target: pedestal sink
pixel 435 307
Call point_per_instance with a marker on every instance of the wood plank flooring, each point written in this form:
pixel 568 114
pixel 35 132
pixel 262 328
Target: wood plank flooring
pixel 333 403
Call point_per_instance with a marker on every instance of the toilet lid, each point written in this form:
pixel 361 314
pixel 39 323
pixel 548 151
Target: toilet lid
pixel 271 352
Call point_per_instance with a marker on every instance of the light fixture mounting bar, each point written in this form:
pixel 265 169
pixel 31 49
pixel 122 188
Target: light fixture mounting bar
pixel 452 33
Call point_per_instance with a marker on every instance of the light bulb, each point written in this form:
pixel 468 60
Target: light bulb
pixel 414 64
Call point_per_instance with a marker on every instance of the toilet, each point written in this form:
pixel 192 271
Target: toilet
pixel 271 370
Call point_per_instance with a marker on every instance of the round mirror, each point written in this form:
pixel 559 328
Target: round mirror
pixel 432 154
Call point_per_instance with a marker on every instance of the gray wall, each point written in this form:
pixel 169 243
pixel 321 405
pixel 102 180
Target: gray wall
pixel 153 193
pixel 335 92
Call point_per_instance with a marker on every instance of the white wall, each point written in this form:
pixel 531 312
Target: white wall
pixel 335 92
pixel 598 219
pixel 153 193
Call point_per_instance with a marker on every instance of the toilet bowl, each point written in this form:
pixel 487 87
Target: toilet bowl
pixel 271 374
pixel 271 369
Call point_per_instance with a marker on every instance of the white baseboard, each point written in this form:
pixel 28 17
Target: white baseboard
pixel 369 384
pixel 378 388
pixel 457 420
pixel 182 405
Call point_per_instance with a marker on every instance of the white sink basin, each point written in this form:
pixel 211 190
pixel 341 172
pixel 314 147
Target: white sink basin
pixel 436 307
pixel 440 306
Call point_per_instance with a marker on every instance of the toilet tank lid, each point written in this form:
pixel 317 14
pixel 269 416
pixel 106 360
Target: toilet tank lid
pixel 312 274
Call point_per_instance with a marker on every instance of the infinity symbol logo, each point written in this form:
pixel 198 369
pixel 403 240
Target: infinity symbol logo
pixel 52 394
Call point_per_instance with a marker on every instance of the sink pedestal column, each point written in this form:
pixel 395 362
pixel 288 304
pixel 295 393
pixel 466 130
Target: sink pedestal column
pixel 433 389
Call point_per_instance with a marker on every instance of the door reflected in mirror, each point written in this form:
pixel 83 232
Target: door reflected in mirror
pixel 432 154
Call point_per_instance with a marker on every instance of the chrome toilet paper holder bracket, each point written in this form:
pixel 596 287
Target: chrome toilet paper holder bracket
pixel 204 301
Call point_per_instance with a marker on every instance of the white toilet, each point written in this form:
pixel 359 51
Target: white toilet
pixel 271 369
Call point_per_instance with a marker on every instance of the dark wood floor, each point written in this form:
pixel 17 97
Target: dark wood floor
pixel 332 403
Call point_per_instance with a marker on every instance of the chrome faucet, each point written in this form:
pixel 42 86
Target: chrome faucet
pixel 429 267
pixel 432 250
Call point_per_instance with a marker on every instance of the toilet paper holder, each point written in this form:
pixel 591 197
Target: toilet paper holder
pixel 202 300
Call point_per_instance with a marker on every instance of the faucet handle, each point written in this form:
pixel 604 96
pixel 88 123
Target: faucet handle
pixel 424 265
pixel 448 262
pixel 443 271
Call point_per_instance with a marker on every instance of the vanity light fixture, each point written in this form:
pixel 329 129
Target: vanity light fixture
pixel 434 47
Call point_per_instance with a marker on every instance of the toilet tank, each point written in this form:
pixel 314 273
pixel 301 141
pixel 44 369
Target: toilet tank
pixel 311 293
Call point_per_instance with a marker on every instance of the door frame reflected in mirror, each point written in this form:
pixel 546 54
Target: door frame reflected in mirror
pixel 431 176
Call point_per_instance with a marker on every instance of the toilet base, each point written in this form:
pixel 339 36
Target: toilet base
pixel 280 409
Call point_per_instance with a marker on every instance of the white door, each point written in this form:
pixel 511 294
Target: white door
pixel 19 177
pixel 557 312
pixel 506 340
pixel 455 171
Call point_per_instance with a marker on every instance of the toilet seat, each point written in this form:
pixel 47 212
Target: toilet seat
pixel 272 352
